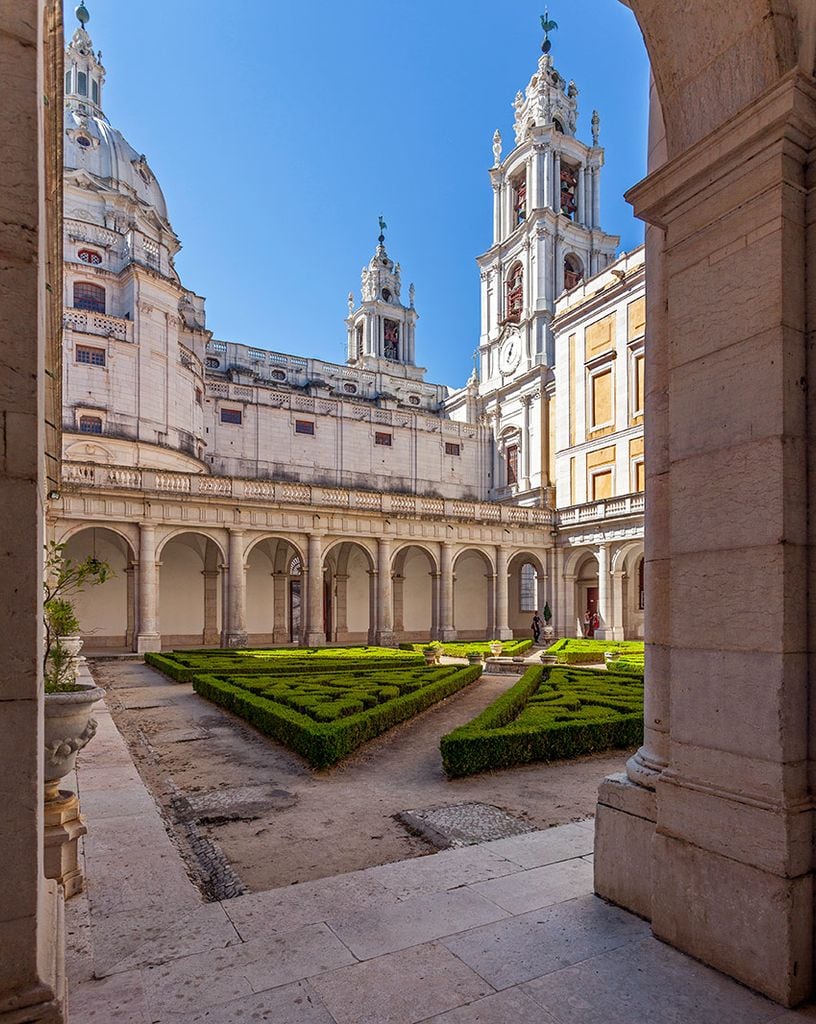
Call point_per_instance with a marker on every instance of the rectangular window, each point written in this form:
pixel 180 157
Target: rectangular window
pixel 511 460
pixel 528 585
pixel 639 475
pixel 90 425
pixel 602 485
pixel 640 385
pixel 380 438
pixel 232 416
pixel 452 449
pixel 601 384
pixel 90 356
pixel 199 397
pixel 304 427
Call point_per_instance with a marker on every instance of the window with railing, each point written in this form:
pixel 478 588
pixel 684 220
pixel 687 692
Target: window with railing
pixel 452 449
pixel 380 437
pixel 89 355
pixel 89 296
pixel 90 425
pixel 304 427
pixel 232 416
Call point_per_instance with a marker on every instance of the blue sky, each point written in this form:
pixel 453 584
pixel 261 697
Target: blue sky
pixel 279 131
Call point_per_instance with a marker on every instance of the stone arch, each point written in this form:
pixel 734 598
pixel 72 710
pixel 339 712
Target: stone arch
pixel 519 615
pixel 415 570
pixel 474 575
pixel 191 603
pixel 275 595
pixel 349 592
pixel 173 534
pixel 625 560
pixel 106 613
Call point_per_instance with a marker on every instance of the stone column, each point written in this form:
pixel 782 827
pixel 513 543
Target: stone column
pixel 210 606
pixel 148 638
pixel 315 631
pixel 581 212
pixel 236 613
pixel 603 632
pixel 503 631
pixel 545 164
pixel 525 443
pixel 556 183
pixel 280 608
pixel 32 976
pixel 726 870
pixel 616 631
pixel 446 630
pixel 570 617
pixel 373 618
pixel 385 594
pixel 130 629
pixel 340 608
pixel 596 197
pixel 436 580
pixel 399 605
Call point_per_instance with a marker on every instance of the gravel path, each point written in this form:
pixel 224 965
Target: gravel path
pixel 236 795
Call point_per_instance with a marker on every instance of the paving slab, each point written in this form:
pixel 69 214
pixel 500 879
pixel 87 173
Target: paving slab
pixel 442 871
pixel 120 999
pixel 371 933
pixel 538 887
pixel 521 948
pixel 545 847
pixel 400 988
pixel 512 1006
pixel 647 981
pixel 297 1003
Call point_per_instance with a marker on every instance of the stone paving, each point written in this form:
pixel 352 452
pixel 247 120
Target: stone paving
pixel 464 824
pixel 504 931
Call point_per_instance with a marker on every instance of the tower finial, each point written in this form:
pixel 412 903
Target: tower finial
pixel 549 26
pixel 383 226
pixel 82 13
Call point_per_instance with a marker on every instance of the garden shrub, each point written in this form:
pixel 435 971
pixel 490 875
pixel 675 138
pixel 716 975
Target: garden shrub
pixel 510 648
pixel 183 666
pixel 549 714
pixel 580 651
pixel 325 718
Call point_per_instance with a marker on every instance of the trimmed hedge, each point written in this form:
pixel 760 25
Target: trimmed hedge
pixel 580 651
pixel 460 649
pixel 326 719
pixel 184 666
pixel 548 715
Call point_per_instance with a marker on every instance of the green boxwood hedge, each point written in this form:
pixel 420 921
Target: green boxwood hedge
pixel 580 651
pixel 461 649
pixel 549 714
pixel 183 666
pixel 326 717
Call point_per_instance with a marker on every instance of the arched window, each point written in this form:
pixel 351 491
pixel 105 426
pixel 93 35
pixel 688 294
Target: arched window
pixel 511 453
pixel 528 580
pixel 89 296
pixel 295 568
pixel 515 294
pixel 573 271
pixel 95 90
pixel 82 83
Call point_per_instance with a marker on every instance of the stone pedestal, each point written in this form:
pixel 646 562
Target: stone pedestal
pixel 63 828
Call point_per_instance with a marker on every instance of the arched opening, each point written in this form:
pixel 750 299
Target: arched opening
pixel 274 593
pixel 514 302
pixel 191 582
pixel 89 296
pixel 573 271
pixel 473 602
pixel 527 578
pixel 586 596
pixel 415 594
pixel 106 613
pixel 349 594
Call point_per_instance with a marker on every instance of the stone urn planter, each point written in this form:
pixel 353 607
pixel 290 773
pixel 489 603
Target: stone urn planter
pixel 496 648
pixel 72 645
pixel 474 659
pixel 431 657
pixel 548 659
pixel 69 726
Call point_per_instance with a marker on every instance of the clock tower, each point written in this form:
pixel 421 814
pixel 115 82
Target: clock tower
pixel 547 235
pixel 382 330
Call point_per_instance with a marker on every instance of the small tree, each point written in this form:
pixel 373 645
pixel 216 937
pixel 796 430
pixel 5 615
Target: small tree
pixel 64 578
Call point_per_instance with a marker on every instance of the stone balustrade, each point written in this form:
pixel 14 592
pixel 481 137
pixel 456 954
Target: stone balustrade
pixel 609 508
pixel 77 475
pixel 100 324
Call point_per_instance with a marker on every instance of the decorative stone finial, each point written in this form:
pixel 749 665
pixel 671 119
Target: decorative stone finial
pixel 82 13
pixel 596 127
pixel 497 147
pixel 549 26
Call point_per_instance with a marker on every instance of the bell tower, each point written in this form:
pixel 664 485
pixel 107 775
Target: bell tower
pixel 547 235
pixel 381 330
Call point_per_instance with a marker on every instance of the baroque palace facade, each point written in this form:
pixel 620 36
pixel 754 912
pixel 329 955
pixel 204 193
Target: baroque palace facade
pixel 250 496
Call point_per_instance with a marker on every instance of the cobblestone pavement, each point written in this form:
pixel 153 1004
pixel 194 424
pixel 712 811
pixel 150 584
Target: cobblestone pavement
pixel 466 824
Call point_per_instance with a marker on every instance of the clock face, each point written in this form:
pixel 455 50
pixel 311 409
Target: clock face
pixel 510 354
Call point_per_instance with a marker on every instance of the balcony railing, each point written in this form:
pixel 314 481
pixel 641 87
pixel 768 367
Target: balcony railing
pixel 79 476
pixel 608 508
pixel 100 324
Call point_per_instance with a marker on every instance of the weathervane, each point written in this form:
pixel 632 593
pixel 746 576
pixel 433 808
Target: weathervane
pixel 82 14
pixel 383 226
pixel 549 26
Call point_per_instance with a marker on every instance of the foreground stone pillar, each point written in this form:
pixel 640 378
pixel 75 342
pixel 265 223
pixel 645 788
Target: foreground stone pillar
pixel 503 631
pixel 717 813
pixel 148 638
pixel 385 594
pixel 236 635
pixel 32 979
pixel 604 630
pixel 315 631
pixel 446 630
